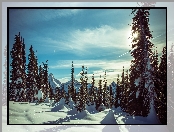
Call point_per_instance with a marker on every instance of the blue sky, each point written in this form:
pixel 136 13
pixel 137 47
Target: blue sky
pixel 96 38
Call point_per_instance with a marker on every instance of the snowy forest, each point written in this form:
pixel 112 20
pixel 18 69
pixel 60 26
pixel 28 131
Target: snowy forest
pixel 137 96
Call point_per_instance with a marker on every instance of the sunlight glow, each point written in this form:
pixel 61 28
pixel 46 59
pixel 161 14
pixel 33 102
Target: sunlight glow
pixel 135 35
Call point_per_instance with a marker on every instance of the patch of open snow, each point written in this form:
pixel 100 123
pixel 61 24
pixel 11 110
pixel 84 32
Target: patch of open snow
pixel 72 111
pixel 152 118
pixel 80 115
pixel 91 109
pixel 109 118
pixel 59 107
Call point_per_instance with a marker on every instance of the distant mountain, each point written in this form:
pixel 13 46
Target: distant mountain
pixel 76 84
pixel 53 82
pixel 56 83
pixel 114 86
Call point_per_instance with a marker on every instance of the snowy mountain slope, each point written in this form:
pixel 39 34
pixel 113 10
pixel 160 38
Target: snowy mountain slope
pixel 53 82
pixel 56 83
pixel 114 87
pixel 76 84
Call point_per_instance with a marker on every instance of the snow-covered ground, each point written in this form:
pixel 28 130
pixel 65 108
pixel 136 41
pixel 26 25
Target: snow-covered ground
pixel 60 113
pixel 29 113
pixel 72 128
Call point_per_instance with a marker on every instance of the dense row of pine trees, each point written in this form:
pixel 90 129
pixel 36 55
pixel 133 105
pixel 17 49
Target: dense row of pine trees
pixel 138 89
pixel 26 80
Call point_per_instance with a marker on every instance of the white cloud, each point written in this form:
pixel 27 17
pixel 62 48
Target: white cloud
pixel 112 67
pixel 103 64
pixel 83 42
pixel 104 36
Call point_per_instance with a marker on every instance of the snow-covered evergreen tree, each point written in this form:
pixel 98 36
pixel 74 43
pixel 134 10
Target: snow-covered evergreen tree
pixel 141 72
pixel 86 87
pixel 72 88
pixel 125 92
pixel 117 96
pixel 50 93
pixel 111 96
pixel 58 94
pixel 92 91
pixel 32 74
pixel 122 89
pixel 81 101
pixel 40 82
pixel 67 95
pixel 156 79
pixel 45 78
pixel 106 95
pixel 18 75
pixel 99 94
pixel 162 95
pixel 63 92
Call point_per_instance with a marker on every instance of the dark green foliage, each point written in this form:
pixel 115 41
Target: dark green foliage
pixel 125 94
pixel 18 75
pixel 106 95
pixel 117 96
pixel 40 79
pixel 58 95
pixel 72 88
pixel 111 99
pixel 161 101
pixel 122 88
pixel 82 93
pixel 92 93
pixel 32 74
pixel 99 94
pixel 45 89
pixel 141 73
pixel 50 93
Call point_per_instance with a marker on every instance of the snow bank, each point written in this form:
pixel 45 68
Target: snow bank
pixel 39 95
pixel 91 109
pixel 152 118
pixel 72 111
pixel 109 118
pixel 80 115
pixel 71 103
pixel 59 107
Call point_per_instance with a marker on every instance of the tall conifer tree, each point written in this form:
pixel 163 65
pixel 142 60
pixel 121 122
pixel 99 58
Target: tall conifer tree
pixel 92 91
pixel 45 78
pixel 141 72
pixel 72 88
pixel 32 74
pixel 82 92
pixel 18 75
pixel 117 96
pixel 122 88
pixel 162 95
pixel 41 81
pixel 125 92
